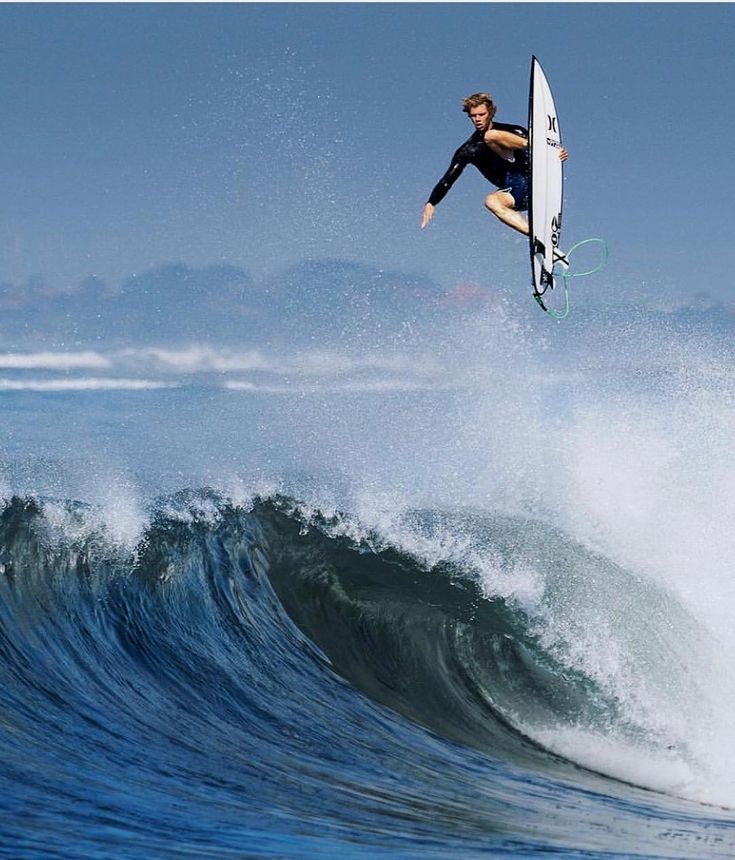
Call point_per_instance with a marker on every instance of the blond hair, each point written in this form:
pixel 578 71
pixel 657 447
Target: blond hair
pixel 477 99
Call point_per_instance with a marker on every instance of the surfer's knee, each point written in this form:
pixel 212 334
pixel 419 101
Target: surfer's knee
pixel 498 202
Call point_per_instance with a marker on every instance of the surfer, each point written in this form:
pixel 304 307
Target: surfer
pixel 500 152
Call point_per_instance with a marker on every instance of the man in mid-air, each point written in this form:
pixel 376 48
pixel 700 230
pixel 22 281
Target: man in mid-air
pixel 500 152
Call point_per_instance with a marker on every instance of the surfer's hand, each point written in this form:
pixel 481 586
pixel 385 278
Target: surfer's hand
pixel 427 216
pixel 563 154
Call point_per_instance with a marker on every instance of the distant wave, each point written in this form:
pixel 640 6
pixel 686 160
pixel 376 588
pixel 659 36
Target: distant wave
pixel 347 387
pixel 317 363
pixel 82 384
pixel 53 360
pixel 316 371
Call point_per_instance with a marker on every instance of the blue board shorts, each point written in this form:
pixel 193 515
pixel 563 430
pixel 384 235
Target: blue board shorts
pixel 517 186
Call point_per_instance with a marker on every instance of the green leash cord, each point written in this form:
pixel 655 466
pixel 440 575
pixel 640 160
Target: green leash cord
pixel 567 276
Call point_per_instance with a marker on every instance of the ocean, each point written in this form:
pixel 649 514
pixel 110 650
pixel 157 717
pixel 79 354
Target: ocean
pixel 464 595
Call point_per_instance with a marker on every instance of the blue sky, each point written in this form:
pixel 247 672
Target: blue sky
pixel 260 135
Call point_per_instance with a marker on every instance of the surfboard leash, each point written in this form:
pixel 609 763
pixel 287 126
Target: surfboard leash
pixel 567 275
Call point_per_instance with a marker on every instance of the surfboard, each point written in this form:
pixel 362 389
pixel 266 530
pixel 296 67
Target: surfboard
pixel 545 181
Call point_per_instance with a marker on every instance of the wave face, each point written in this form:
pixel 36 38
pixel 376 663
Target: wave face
pixel 274 680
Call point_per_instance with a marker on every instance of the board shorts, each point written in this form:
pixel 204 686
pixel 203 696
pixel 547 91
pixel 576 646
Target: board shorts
pixel 516 184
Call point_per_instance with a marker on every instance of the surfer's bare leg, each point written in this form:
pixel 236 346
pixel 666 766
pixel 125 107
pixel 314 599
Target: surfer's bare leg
pixel 501 204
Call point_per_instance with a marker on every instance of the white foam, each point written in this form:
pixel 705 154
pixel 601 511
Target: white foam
pixel 624 759
pixel 346 387
pixel 314 364
pixel 82 384
pixel 53 361
pixel 115 513
pixel 199 359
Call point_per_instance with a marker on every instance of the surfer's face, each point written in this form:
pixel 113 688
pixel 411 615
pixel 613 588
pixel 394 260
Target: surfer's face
pixel 480 117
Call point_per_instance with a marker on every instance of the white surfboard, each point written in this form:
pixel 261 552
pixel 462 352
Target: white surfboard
pixel 546 181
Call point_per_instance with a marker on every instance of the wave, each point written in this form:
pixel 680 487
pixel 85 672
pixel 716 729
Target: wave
pixel 492 645
pixel 204 358
pixel 232 655
pixel 82 384
pixel 53 360
pixel 250 371
pixel 509 637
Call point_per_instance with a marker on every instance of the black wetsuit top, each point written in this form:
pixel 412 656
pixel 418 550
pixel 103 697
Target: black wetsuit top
pixel 492 166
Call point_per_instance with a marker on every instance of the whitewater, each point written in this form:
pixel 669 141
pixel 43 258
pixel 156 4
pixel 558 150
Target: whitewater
pixel 464 591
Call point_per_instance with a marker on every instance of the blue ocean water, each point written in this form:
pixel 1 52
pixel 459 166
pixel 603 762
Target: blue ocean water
pixel 411 606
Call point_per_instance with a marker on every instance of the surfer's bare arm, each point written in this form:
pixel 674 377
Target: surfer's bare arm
pixel 505 139
pixel 509 140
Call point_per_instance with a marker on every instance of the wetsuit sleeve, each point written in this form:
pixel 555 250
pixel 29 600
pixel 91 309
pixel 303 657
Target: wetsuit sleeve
pixel 459 162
